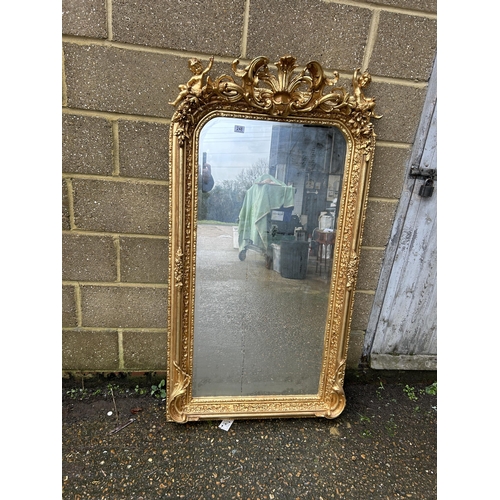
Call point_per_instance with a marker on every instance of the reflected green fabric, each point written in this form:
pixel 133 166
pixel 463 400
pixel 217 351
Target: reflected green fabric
pixel 265 195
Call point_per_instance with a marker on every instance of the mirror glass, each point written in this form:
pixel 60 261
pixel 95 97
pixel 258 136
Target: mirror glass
pixel 268 199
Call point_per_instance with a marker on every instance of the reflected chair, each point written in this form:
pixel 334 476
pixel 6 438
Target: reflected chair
pixel 324 240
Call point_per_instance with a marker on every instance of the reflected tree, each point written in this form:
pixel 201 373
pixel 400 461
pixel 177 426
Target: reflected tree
pixel 223 202
pixel 248 176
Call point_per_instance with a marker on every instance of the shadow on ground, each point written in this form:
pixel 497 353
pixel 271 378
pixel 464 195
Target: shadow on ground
pixel 383 446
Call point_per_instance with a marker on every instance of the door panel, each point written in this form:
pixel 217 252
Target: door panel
pixel 402 331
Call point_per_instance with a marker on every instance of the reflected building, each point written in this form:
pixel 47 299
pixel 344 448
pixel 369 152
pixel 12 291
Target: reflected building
pixel 310 158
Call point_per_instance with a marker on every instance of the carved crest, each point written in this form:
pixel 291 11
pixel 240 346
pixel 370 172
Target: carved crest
pixel 287 93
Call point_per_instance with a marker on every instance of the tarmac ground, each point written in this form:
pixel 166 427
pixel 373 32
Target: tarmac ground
pixel 117 444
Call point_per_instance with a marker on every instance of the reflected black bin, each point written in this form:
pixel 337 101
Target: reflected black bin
pixel 294 259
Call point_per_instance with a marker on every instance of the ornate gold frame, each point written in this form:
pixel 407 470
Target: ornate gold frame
pixel 306 96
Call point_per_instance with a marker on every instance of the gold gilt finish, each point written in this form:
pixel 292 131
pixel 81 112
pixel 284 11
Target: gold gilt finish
pixel 305 96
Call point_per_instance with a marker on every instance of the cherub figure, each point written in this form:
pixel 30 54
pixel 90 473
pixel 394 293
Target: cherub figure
pixel 194 85
pixel 358 82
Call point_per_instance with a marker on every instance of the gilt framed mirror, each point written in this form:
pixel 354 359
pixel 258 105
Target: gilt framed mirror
pixel 269 173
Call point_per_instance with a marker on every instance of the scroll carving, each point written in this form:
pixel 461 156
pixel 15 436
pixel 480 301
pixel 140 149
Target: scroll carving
pixel 336 398
pixel 176 397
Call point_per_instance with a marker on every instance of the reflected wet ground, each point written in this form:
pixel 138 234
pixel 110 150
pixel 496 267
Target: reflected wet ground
pixel 256 333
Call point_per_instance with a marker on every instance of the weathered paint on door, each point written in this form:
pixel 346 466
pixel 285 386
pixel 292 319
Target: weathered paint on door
pixel 402 331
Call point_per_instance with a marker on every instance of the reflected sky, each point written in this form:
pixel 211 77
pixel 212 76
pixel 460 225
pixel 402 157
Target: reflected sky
pixel 233 144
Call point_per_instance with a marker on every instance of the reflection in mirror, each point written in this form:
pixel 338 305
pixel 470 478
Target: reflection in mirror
pixel 268 200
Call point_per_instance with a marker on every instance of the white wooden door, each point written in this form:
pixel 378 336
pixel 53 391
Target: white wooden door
pixel 402 330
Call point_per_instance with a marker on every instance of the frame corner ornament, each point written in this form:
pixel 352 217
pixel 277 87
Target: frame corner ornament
pixel 176 398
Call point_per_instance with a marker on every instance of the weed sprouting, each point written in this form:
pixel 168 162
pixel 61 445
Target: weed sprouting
pixel 391 427
pixel 77 393
pixel 140 390
pixel 432 389
pixel 364 419
pixel 380 388
pixel 159 391
pixel 410 392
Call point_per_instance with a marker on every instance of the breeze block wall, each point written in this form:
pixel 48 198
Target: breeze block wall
pixel 122 63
